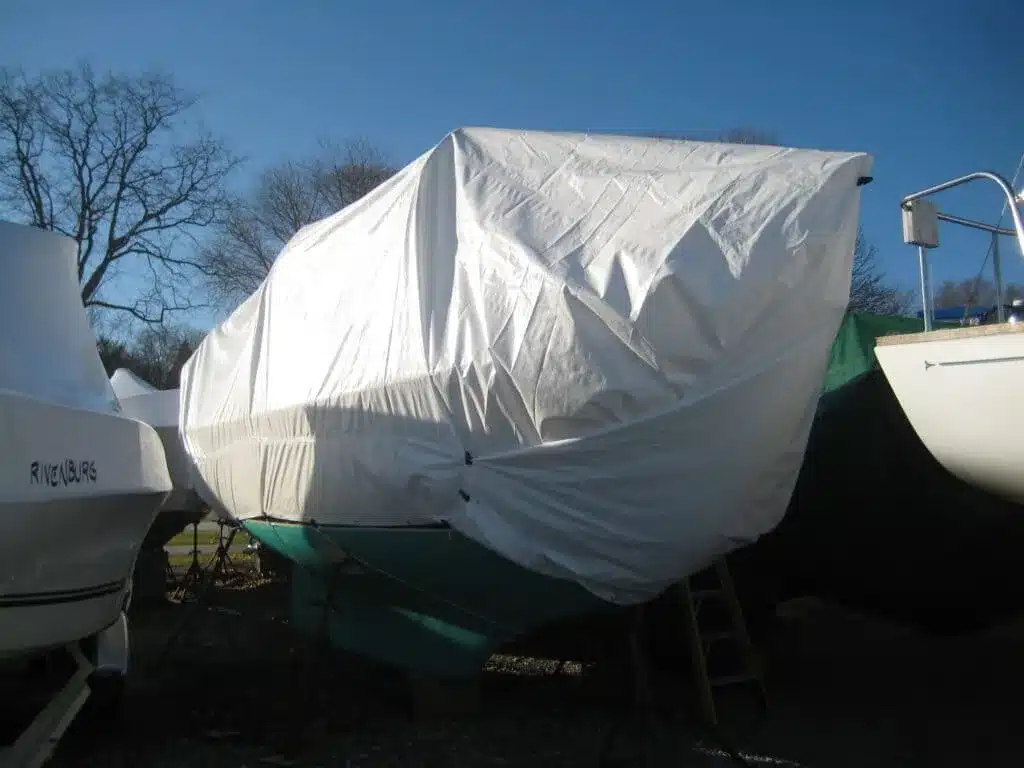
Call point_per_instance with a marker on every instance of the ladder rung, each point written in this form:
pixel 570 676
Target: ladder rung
pixel 702 642
pixel 732 679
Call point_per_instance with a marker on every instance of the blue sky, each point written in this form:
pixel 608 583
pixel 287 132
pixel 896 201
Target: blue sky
pixel 931 89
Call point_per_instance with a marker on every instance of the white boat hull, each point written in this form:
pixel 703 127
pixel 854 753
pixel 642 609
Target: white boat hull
pixel 961 390
pixel 78 492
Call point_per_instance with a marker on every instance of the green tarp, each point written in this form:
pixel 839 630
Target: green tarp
pixel 875 523
pixel 853 351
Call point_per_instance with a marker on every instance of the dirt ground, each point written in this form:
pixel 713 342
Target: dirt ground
pixel 240 689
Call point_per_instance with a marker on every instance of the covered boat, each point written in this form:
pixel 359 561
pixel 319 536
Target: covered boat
pixel 159 408
pixel 83 481
pixel 531 375
pixel 183 507
pixel 80 482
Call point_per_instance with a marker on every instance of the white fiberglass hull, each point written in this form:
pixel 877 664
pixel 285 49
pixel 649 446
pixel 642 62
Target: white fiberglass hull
pixel 78 494
pixel 961 389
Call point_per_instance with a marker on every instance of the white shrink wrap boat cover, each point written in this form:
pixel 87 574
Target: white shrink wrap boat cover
pixel 128 384
pixel 47 349
pixel 160 408
pixel 599 356
pixel 141 400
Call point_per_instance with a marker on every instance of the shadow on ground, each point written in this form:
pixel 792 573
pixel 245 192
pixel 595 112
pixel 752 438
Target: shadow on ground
pixel 844 691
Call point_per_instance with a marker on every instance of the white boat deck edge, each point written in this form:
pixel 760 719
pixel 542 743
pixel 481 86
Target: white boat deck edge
pixel 947 334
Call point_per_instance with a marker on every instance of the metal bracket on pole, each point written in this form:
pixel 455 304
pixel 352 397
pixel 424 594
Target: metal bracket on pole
pixel 1002 183
pixel 920 228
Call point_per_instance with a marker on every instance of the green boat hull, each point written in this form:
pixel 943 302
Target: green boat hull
pixel 426 599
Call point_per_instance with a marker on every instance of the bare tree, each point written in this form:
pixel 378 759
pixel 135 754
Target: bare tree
pixel 978 292
pixel 287 197
pixel 868 289
pixel 164 350
pixel 104 161
pixel 346 173
pixel 113 353
pixel 157 354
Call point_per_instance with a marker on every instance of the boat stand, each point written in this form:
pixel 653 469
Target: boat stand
pixel 221 560
pixel 194 581
pixel 200 586
pixel 193 577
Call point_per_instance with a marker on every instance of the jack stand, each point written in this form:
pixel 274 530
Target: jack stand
pixel 193 577
pixel 207 578
pixel 221 560
pixel 221 563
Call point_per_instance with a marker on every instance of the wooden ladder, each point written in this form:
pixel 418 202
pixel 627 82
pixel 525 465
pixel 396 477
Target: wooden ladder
pixel 710 586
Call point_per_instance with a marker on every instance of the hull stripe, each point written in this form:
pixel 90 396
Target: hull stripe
pixel 55 597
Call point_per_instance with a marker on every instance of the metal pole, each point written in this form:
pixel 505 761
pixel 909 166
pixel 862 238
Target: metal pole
pixel 970 223
pixel 931 290
pixel 998 269
pixel 922 262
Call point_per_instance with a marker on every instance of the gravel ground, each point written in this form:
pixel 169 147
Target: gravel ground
pixel 239 690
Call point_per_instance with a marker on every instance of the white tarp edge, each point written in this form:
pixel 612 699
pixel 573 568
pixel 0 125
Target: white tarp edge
pixel 597 355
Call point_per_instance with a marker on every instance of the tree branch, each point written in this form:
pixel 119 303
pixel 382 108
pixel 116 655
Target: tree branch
pixel 85 155
pixel 286 198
